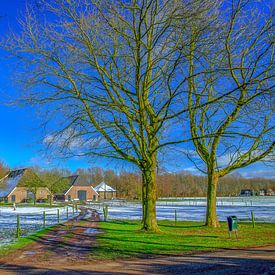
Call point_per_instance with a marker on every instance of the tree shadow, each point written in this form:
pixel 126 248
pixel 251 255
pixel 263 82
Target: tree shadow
pixel 189 264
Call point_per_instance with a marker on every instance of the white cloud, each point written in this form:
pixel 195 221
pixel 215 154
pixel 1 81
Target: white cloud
pixel 69 139
pixel 258 173
pixel 225 160
pixel 73 141
pixel 40 161
pixel 191 169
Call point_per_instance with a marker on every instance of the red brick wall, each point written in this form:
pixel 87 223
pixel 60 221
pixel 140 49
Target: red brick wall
pixel 20 194
pixel 73 193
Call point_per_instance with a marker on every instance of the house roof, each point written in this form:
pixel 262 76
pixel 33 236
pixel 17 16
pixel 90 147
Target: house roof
pixel 77 180
pixel 71 179
pixel 103 187
pixel 10 181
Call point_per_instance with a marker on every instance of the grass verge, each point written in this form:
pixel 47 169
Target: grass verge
pixel 122 239
pixel 24 241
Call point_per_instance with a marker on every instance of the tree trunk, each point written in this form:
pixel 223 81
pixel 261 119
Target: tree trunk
pixel 143 191
pixel 149 199
pixel 211 214
pixel 35 195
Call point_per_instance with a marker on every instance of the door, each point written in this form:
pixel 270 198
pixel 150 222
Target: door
pixel 82 195
pixel 13 198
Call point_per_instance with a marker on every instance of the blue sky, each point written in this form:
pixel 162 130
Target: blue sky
pixel 20 133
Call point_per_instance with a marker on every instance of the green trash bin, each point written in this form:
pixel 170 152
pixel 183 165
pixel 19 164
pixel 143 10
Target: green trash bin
pixel 232 222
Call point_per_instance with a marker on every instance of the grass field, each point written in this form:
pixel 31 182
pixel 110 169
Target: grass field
pixel 123 238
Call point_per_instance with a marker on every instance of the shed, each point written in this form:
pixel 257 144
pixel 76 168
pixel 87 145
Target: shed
pixel 105 191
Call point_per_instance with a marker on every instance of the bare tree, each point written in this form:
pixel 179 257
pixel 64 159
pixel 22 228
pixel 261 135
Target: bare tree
pixel 109 69
pixel 237 129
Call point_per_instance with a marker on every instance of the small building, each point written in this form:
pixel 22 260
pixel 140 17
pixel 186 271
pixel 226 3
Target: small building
pixel 246 193
pixel 262 192
pixel 80 190
pixel 105 191
pixel 270 192
pixel 13 191
pixel 59 197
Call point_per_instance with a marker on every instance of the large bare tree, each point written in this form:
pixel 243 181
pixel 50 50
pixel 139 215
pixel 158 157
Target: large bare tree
pixel 109 69
pixel 237 129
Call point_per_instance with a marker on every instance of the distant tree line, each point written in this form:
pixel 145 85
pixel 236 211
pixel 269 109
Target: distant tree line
pixel 128 184
pixel 180 184
pixel 3 169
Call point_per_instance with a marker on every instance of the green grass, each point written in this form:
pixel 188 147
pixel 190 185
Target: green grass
pixel 24 241
pixel 124 239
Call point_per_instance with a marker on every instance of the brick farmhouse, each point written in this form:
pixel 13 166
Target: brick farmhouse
pixel 80 190
pixel 12 191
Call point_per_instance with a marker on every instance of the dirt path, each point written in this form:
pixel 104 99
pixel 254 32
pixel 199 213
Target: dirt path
pixel 68 243
pixel 66 250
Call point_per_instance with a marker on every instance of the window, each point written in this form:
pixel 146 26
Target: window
pixel 69 197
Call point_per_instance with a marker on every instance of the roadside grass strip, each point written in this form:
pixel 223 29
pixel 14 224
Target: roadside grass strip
pixel 122 239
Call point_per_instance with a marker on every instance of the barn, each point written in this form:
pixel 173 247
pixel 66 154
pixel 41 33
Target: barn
pixel 12 189
pixel 80 190
pixel 105 191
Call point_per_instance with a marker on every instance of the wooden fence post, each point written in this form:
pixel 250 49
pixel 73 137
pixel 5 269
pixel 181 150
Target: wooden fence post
pixel 44 218
pixel 18 226
pixel 253 218
pixel 105 212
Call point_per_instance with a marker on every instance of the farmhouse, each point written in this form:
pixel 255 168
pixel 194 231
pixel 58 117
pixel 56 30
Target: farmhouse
pixel 105 191
pixel 80 190
pixel 14 189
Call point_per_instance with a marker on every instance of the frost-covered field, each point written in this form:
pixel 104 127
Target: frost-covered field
pixel 193 209
pixel 31 219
